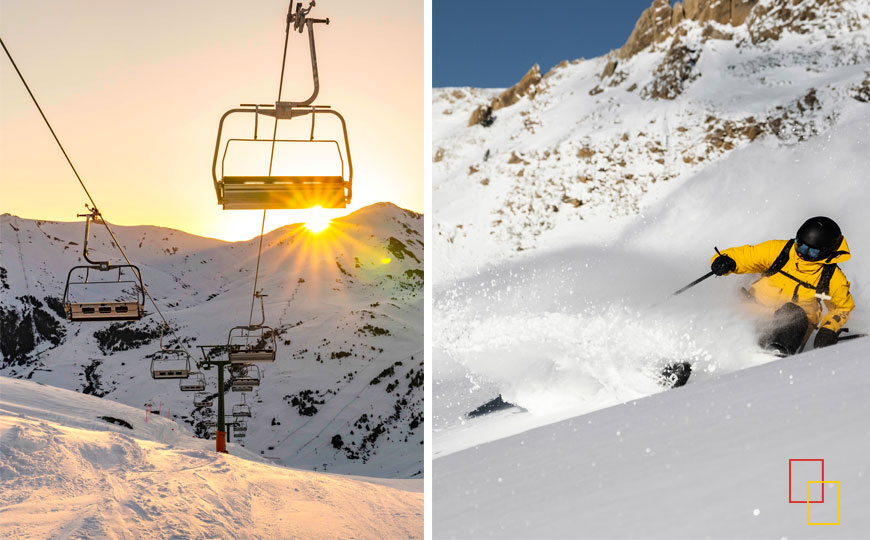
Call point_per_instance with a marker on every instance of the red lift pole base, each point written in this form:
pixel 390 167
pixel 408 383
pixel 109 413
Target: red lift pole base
pixel 221 441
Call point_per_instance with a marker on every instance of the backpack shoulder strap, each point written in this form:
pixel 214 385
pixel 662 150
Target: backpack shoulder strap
pixel 780 260
pixel 824 284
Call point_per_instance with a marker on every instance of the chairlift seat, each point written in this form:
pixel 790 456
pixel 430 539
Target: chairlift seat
pixel 235 388
pixel 202 399
pixel 104 311
pixel 282 192
pixel 246 355
pixel 194 385
pixel 245 380
pixel 161 373
pixel 241 411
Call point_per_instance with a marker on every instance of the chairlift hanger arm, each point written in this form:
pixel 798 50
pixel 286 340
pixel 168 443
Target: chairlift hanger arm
pixel 299 19
pixel 94 214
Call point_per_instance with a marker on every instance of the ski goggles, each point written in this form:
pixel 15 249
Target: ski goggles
pixel 807 252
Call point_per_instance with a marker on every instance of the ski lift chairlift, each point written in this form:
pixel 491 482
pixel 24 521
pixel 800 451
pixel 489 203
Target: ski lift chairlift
pixel 253 342
pixel 171 363
pixel 194 383
pixel 255 191
pixel 249 376
pixel 130 309
pixel 202 399
pixel 242 410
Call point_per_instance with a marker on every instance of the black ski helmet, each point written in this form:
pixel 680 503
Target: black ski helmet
pixel 821 233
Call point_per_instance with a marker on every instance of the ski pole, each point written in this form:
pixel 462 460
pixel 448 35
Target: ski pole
pixel 700 279
pixel 692 284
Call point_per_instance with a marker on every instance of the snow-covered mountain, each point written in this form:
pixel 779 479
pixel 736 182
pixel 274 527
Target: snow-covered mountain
pixel 345 394
pixel 76 466
pixel 569 207
pixel 577 153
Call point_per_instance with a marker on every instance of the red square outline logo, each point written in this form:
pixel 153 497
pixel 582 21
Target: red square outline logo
pixel 789 482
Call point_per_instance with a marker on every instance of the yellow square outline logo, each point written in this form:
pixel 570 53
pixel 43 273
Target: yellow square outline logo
pixel 823 487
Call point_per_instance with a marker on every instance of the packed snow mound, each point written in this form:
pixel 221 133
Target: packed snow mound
pixel 66 472
pixel 708 460
pixel 346 305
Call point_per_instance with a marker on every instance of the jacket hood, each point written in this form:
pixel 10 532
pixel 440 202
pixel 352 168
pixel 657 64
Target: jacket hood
pixel 841 255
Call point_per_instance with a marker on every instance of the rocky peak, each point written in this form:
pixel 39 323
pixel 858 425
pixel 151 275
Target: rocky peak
pixel 527 86
pixel 764 19
pixel 657 21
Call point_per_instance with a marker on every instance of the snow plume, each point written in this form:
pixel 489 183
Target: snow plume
pixel 561 338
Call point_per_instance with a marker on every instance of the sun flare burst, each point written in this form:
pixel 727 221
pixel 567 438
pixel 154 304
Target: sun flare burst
pixel 317 219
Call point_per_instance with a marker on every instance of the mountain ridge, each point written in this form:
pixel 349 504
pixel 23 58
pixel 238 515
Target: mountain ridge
pixel 343 304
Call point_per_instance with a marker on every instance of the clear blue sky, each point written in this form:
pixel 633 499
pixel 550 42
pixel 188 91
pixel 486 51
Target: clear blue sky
pixel 492 43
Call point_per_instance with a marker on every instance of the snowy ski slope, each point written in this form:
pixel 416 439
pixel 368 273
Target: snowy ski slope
pixel 65 473
pixel 709 460
pixel 556 253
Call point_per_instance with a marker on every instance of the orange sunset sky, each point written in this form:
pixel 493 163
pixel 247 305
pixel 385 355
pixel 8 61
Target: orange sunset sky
pixel 135 91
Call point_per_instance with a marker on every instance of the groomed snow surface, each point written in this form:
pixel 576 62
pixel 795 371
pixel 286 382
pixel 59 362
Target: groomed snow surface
pixel 65 473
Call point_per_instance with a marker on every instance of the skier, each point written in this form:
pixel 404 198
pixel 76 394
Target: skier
pixel 797 275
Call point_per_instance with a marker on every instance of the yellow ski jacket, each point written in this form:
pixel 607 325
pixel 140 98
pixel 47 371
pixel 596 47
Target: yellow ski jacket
pixel 776 290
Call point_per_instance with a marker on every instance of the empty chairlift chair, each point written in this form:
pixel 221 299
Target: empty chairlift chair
pixel 194 383
pixel 202 399
pixel 242 410
pixel 241 428
pixel 244 378
pixel 109 297
pixel 253 342
pixel 264 188
pixel 170 363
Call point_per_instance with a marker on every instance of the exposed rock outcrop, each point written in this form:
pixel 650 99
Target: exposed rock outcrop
pixel 657 22
pixel 527 86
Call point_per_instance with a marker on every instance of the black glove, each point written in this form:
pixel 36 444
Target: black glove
pixel 723 264
pixel 825 337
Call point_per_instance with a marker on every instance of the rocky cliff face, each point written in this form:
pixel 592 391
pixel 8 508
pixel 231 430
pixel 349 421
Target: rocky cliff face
pixel 765 19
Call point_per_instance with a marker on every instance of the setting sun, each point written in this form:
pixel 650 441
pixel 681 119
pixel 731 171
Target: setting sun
pixel 316 219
